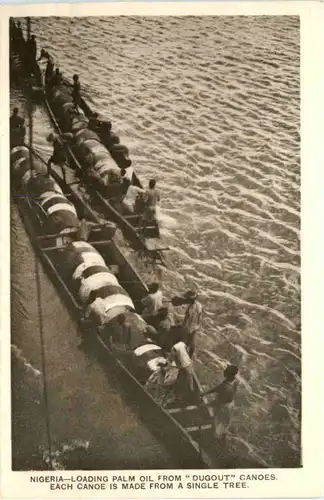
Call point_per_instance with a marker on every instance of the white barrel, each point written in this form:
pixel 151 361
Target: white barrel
pixel 30 174
pixel 93 154
pixel 149 354
pixel 22 167
pixel 94 281
pixel 146 354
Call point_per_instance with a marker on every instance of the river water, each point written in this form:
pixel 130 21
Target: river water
pixel 209 106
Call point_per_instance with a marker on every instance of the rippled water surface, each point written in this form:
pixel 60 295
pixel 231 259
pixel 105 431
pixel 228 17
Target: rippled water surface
pixel 210 108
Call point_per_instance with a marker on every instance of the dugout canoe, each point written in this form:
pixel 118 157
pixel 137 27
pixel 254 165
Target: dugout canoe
pixel 96 271
pixel 51 218
pixel 86 147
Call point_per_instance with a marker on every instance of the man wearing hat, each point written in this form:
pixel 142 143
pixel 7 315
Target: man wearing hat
pixel 192 320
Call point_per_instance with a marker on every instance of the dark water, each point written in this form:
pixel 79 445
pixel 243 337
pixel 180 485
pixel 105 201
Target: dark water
pixel 210 108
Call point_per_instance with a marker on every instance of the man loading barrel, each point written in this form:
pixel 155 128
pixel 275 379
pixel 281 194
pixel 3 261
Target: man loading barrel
pixel 222 403
pixel 192 319
pixel 50 64
pixel 76 92
pixel 59 150
pixel 152 302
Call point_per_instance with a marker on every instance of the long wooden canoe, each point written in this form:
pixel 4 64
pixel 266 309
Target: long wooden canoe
pixel 54 250
pixel 184 420
pixel 147 239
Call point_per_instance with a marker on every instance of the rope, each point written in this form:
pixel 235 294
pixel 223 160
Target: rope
pixel 39 295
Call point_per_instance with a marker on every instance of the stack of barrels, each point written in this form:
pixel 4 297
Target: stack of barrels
pixel 96 287
pixel 89 149
pixel 30 175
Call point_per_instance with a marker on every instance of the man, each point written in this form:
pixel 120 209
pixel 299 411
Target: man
pixel 120 154
pixel 192 320
pixel 109 139
pixel 150 201
pixel 59 151
pixel 180 357
pixel 19 32
pixel 131 192
pixel 50 65
pixel 15 120
pixel 31 52
pixel 12 28
pixel 76 92
pixel 19 37
pixel 223 402
pixel 94 123
pixel 57 79
pixel 128 172
pixel 85 229
pixel 161 384
pixel 120 331
pixel 17 129
pixel 164 324
pixel 166 321
pixel 152 197
pixel 152 302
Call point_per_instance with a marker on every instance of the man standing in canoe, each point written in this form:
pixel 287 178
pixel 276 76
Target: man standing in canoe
pixel 180 356
pixel 131 192
pixel 31 53
pixel 59 151
pixel 50 65
pixel 152 302
pixel 76 92
pixel 192 320
pixel 223 402
pixel 152 198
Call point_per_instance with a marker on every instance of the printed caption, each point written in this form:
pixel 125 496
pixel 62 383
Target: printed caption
pixel 151 483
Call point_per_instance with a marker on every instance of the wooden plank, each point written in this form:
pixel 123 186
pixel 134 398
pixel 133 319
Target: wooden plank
pixel 51 249
pixel 185 408
pixel 57 235
pixel 26 197
pixel 95 228
pixel 196 428
pixel 37 198
pixel 154 245
pixel 93 243
pixel 131 217
pixel 100 243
